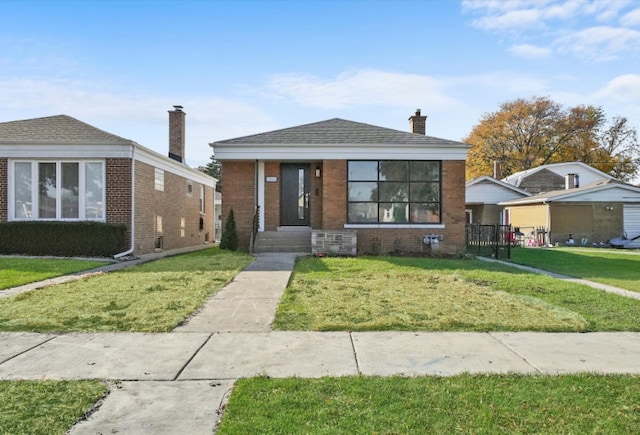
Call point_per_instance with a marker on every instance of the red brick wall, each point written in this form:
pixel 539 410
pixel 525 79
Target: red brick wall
pixel 453 192
pixel 118 175
pixel 272 197
pixel 238 194
pixel 173 204
pixel 4 188
pixel 334 194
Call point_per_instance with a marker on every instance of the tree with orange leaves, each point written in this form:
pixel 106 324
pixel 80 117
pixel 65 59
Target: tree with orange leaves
pixel 525 134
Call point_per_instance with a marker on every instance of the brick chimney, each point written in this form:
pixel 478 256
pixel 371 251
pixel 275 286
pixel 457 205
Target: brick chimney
pixel 176 134
pixel 497 170
pixel 418 123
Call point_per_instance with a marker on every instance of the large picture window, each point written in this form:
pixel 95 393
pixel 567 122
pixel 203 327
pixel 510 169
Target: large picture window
pixel 55 190
pixel 394 192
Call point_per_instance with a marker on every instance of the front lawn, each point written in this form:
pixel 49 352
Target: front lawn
pixel 17 271
pixel 45 407
pixel 400 293
pixel 619 268
pixel 152 297
pixel 487 404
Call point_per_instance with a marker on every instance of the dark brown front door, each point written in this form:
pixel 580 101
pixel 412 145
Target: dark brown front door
pixel 294 194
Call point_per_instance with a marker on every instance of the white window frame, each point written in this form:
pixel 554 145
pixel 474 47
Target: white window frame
pixel 34 190
pixel 158 178
pixel 202 191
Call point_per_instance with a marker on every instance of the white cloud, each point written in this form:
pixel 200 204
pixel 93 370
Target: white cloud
pixel 631 19
pixel 528 51
pixel 600 43
pixel 364 87
pixel 622 89
pixel 585 28
pixel 141 118
pixel 509 20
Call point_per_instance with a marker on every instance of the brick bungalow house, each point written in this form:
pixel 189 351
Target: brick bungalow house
pixel 62 169
pixel 340 181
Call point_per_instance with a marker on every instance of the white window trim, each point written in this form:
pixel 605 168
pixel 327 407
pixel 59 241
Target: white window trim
pixel 34 190
pixel 158 178
pixel 202 198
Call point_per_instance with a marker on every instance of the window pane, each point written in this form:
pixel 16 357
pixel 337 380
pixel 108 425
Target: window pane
pixel 363 191
pixel 46 190
pixel 201 198
pixel 363 171
pixel 69 192
pixel 425 171
pixel 159 179
pixel 392 191
pixel 94 191
pixel 425 213
pixel 394 212
pixel 22 186
pixel 394 171
pixel 425 192
pixel 363 212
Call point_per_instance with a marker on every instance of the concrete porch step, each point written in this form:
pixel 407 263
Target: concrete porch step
pixel 289 240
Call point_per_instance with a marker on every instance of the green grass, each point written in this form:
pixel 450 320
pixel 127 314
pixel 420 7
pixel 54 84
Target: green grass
pixel 399 293
pixel 488 404
pixel 16 271
pixel 152 297
pixel 45 407
pixel 619 268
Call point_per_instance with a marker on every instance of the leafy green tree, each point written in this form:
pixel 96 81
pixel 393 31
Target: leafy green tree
pixel 214 169
pixel 525 134
pixel 229 239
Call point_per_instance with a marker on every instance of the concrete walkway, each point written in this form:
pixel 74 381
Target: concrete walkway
pixel 179 382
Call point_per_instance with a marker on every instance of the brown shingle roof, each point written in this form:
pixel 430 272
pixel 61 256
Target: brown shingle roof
pixel 56 129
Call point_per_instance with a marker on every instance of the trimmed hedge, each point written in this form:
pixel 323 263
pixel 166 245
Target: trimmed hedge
pixel 62 239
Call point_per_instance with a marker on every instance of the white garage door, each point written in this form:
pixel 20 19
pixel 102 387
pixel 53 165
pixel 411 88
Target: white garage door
pixel 632 220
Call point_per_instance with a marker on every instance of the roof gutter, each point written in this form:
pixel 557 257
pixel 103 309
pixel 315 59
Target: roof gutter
pixel 133 197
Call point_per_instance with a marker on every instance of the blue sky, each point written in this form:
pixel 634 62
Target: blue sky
pixel 248 66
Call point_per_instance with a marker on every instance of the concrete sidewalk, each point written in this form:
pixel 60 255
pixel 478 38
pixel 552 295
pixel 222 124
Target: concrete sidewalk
pixel 178 382
pixel 232 355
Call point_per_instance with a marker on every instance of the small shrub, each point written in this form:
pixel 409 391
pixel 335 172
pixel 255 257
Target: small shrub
pixel 229 239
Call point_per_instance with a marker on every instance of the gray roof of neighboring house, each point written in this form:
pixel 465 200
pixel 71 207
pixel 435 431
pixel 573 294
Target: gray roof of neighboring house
pixel 491 180
pixel 567 193
pixel 517 177
pixel 339 131
pixel 56 129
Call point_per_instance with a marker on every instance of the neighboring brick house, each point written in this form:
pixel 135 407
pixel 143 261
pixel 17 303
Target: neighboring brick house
pixel 59 168
pixel 587 215
pixel 572 200
pixel 390 188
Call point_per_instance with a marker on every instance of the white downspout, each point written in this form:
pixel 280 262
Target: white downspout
pixel 133 201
